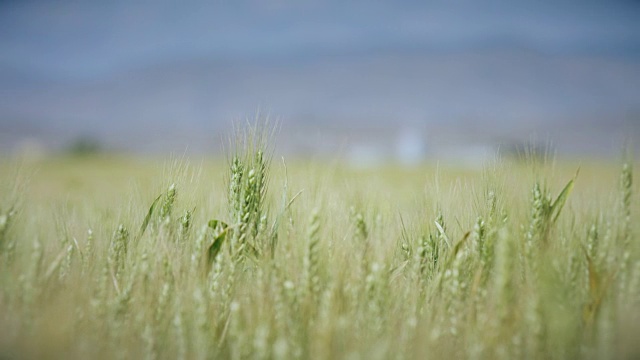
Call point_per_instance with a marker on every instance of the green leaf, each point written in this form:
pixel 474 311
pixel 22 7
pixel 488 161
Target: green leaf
pixel 557 205
pixel 444 235
pixel 451 258
pixel 458 245
pixel 215 223
pixel 147 218
pixel 221 229
pixel 215 247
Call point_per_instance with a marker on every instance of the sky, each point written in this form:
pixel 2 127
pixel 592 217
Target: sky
pixel 78 39
pixel 113 69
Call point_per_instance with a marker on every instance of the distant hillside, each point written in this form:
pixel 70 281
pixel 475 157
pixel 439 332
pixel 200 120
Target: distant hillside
pixel 482 96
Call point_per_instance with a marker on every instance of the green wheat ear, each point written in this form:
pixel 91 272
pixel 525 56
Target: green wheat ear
pixel 626 189
pixel 118 250
pixel 544 214
pixel 248 179
pixel 360 226
pixel 311 259
pixel 186 221
pixel 169 199
pixel 6 219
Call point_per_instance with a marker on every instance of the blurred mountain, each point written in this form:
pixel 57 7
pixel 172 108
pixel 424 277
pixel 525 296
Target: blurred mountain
pixel 479 95
pixel 167 76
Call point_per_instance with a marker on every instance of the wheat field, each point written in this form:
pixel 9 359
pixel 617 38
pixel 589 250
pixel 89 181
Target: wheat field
pixel 258 257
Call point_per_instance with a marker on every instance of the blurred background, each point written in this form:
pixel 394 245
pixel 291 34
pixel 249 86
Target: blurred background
pixel 370 81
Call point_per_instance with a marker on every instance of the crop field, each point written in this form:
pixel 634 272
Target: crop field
pixel 254 256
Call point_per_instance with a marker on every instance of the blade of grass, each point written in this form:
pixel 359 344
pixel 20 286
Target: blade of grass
pixel 147 218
